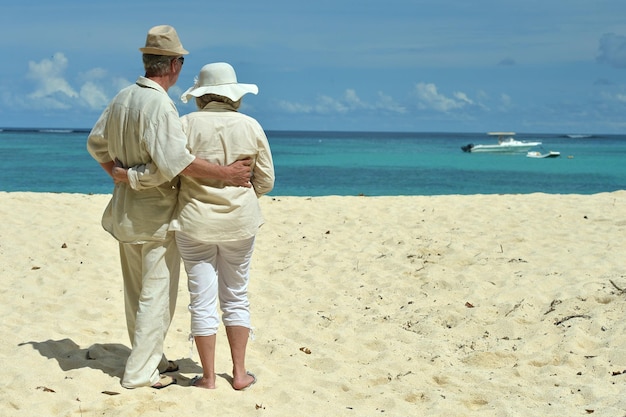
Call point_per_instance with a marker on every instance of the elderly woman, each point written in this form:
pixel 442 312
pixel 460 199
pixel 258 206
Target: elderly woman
pixel 216 224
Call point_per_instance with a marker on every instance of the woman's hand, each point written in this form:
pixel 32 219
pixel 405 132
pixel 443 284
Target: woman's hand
pixel 119 173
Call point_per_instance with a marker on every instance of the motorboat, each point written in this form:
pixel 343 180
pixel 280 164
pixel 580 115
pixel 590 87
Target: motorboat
pixel 537 154
pixel 506 144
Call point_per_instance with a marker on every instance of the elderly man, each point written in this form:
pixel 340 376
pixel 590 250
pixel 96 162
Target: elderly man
pixel 141 125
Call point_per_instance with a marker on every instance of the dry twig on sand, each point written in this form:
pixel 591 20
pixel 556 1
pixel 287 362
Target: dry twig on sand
pixel 564 319
pixel 621 290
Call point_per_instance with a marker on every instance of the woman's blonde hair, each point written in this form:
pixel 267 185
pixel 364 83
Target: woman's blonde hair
pixel 202 101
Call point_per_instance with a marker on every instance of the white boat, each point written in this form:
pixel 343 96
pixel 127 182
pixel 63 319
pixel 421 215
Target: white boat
pixel 579 136
pixel 506 144
pixel 536 154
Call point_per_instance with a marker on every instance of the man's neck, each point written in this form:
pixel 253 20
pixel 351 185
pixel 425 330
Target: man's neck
pixel 164 81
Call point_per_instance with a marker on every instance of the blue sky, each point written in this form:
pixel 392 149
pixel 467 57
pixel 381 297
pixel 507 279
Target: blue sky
pixel 549 66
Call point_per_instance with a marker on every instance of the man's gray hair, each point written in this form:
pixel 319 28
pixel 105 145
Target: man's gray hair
pixel 157 65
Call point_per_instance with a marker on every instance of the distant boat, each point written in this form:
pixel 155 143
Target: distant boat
pixel 55 130
pixel 579 136
pixel 506 144
pixel 536 154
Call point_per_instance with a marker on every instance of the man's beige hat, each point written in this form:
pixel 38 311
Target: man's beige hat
pixel 218 78
pixel 163 40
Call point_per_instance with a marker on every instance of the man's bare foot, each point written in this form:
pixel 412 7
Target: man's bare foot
pixel 202 382
pixel 244 382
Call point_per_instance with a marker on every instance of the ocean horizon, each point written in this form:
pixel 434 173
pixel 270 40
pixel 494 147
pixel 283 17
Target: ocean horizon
pixel 318 163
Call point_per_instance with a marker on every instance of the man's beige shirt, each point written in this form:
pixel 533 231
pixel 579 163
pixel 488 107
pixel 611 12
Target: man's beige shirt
pixel 141 126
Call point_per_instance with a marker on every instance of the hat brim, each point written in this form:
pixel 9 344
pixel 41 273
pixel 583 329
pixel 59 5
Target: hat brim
pixel 232 91
pixel 164 52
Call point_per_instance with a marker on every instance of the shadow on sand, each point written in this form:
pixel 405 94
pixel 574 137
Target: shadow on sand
pixel 109 358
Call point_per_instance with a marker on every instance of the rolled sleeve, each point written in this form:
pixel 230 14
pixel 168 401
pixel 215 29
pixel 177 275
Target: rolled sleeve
pixel 97 145
pixel 168 148
pixel 142 177
pixel 263 179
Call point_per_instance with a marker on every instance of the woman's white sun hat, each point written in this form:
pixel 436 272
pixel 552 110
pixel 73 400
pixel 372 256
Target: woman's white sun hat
pixel 218 78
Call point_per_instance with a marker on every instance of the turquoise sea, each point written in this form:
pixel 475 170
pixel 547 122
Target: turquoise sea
pixel 350 163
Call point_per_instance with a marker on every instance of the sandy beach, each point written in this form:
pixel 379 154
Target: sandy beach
pixel 490 305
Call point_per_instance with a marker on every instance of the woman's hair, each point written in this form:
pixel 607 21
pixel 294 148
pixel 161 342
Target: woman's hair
pixel 202 101
pixel 156 65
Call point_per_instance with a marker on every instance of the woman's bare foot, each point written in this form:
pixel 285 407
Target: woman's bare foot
pixel 202 382
pixel 244 382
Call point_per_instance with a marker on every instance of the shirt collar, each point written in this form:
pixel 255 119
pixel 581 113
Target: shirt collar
pixel 147 82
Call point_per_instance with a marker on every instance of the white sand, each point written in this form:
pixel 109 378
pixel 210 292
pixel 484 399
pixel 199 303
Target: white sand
pixel 503 305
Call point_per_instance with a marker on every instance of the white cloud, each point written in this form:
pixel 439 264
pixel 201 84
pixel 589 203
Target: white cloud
pixel 94 74
pixel 612 50
pixel 429 98
pixel 328 104
pixel 93 96
pixel 353 100
pixel 120 83
pixel 505 99
pixel 349 101
pixel 462 97
pixel 388 103
pixel 53 91
pixel 49 82
pixel 48 103
pixel 294 107
pixel 610 96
